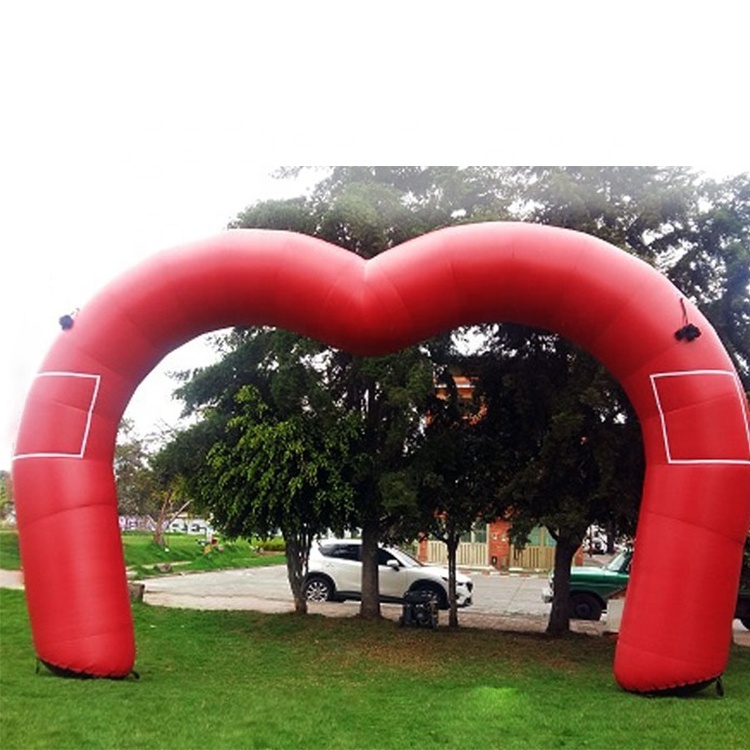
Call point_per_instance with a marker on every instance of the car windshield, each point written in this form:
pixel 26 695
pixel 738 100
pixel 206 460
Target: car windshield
pixel 406 560
pixel 617 563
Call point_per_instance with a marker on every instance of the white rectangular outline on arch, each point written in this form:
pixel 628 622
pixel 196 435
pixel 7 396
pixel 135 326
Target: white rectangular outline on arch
pixel 84 440
pixel 743 411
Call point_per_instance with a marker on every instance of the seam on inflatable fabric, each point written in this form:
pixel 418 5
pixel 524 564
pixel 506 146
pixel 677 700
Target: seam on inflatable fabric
pixel 371 288
pixel 89 415
pixel 698 525
pixel 662 418
pixel 153 342
pixel 341 281
pixel 89 504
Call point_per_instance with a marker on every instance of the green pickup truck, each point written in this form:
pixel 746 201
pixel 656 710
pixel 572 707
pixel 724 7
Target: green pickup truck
pixel 592 586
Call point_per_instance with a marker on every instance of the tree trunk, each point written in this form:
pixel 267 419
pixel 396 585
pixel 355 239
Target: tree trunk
pixel 370 605
pixel 297 552
pixel 161 520
pixel 559 616
pixel 452 544
pixel 165 517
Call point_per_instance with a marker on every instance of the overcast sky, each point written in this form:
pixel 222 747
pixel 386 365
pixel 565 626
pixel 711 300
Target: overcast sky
pixel 126 128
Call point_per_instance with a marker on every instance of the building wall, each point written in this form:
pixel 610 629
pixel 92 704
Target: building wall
pixel 499 553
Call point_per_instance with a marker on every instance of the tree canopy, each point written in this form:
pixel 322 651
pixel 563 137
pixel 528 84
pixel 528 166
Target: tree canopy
pixel 565 443
pixel 272 472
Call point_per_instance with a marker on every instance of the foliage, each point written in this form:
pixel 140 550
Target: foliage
pixel 136 485
pixel 177 459
pixel 568 441
pixel 274 544
pixel 568 449
pixel 10 555
pixel 273 472
pixel 453 465
pixel 693 229
pixel 142 488
pixel 218 679
pixel 6 494
pixel 574 454
pixel 367 210
pixel 185 553
pixel 715 268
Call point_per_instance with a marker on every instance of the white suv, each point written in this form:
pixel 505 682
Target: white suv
pixel 335 573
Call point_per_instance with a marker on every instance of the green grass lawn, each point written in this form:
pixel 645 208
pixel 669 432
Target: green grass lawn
pixel 189 553
pixel 182 550
pixel 251 680
pixel 10 559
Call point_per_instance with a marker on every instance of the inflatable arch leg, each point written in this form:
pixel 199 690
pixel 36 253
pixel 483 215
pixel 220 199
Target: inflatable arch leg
pixel 676 626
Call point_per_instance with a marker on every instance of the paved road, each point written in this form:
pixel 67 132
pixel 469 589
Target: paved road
pixel 507 602
pixel 236 589
pixel 511 602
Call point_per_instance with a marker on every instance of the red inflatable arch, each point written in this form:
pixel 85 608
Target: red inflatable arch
pixel 676 628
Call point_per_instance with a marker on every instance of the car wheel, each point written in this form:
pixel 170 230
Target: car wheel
pixel 318 589
pixel 585 607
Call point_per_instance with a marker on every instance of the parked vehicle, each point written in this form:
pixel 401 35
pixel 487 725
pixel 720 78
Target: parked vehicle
pixel 335 573
pixel 592 586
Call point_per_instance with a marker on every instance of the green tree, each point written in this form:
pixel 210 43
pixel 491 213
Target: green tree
pixel 694 229
pixel 303 383
pixel 6 494
pixel 135 482
pixel 146 483
pixel 176 464
pixel 713 264
pixel 367 210
pixel 568 446
pixel 555 445
pixel 273 473
pixel 453 469
pixel 388 394
pixel 578 455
